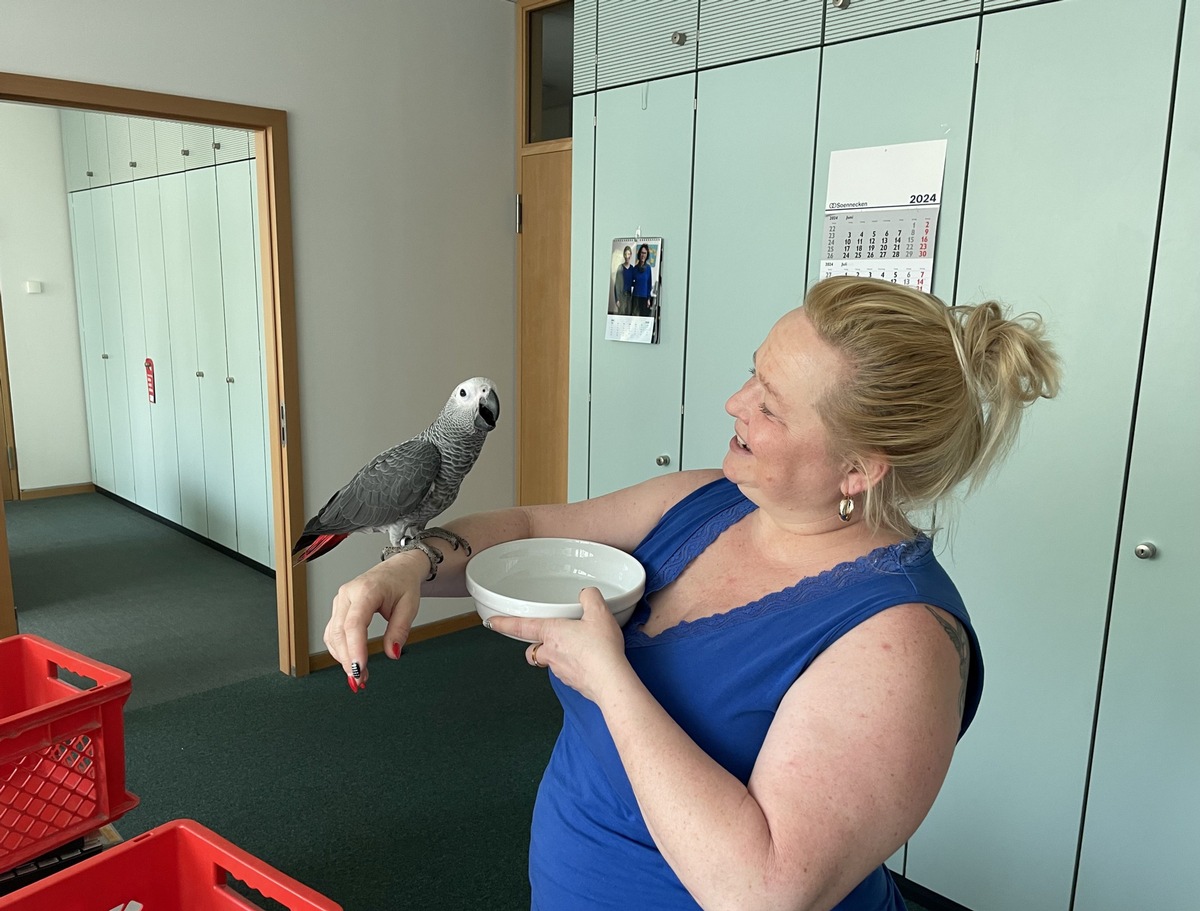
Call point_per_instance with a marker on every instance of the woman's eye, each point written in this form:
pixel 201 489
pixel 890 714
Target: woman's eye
pixel 753 372
pixel 765 410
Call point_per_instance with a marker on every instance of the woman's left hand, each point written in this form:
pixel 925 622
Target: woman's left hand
pixel 585 654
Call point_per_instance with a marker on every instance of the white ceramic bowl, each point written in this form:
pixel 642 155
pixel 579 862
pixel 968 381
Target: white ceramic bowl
pixel 542 577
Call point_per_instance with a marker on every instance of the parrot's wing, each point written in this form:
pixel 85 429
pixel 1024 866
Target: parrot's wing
pixel 386 489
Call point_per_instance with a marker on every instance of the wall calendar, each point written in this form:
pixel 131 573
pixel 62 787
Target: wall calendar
pixel 881 212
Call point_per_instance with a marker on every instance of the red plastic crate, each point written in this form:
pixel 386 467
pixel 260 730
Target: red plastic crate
pixel 62 748
pixel 179 866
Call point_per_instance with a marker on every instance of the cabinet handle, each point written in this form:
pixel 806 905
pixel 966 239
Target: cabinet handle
pixel 229 379
pixel 663 460
pixel 104 357
pixel 1145 551
pixel 200 373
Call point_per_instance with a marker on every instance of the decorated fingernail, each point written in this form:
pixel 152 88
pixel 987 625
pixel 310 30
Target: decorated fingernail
pixel 355 670
pixel 396 649
pixel 353 684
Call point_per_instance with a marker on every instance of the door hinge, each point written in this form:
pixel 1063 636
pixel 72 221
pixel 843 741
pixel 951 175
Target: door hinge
pixel 519 213
pixel 12 458
pixel 282 425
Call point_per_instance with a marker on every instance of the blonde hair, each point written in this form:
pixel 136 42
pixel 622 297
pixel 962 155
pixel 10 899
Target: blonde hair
pixel 937 391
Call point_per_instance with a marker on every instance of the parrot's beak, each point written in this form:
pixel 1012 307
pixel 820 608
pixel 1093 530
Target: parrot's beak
pixel 489 412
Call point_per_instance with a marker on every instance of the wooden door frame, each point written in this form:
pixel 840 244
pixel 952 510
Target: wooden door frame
pixel 524 9
pixel 279 307
pixel 8 471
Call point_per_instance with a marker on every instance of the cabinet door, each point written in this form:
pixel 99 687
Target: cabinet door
pixel 749 230
pixel 133 338
pixel 91 330
pixel 168 147
pixel 1061 208
pixel 947 55
pixel 634 40
pixel 158 347
pixel 208 300
pixel 177 261
pixel 120 155
pixel 96 130
pixel 143 152
pixel 643 182
pixel 75 149
pixel 109 285
pixel 1143 812
pixel 244 342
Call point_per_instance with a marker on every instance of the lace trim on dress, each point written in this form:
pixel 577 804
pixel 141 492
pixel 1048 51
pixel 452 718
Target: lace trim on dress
pixel 886 560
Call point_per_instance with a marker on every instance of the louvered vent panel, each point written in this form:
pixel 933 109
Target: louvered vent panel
pixel 234 144
pixel 119 156
pixel 198 140
pixel 990 6
pixel 733 30
pixel 872 17
pixel 634 42
pixel 585 46
pixel 142 148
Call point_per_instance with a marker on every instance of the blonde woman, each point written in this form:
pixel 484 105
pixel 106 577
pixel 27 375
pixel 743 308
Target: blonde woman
pixel 778 715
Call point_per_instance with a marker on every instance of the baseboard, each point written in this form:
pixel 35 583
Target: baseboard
pixel 229 552
pixel 38 493
pixel 926 898
pixel 322 660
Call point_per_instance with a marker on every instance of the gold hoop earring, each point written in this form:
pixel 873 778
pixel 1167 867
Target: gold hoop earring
pixel 845 509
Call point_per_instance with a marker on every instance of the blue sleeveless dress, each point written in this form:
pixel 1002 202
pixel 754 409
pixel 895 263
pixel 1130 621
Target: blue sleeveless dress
pixel 721 678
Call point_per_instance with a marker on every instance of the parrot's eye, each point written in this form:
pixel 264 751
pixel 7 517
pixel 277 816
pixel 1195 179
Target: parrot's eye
pixel 462 393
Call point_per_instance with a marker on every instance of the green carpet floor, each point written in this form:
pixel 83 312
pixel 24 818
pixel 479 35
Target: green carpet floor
pixel 115 585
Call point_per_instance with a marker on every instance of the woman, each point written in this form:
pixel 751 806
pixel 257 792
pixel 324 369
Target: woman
pixel 778 715
pixel 639 284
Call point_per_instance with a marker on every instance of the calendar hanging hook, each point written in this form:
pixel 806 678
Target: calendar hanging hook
pixel 637 235
pixel 645 95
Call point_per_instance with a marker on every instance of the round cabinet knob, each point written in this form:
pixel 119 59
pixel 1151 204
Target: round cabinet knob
pixel 839 4
pixel 1145 551
pixel 104 357
pixel 229 379
pixel 663 460
pixel 679 38
pixel 200 373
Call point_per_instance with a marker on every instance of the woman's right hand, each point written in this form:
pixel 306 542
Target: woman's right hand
pixel 391 589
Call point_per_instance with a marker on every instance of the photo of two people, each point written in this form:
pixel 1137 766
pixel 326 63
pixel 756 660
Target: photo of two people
pixel 634 279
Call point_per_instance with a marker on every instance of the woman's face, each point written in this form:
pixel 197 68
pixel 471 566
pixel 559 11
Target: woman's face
pixel 779 455
pixel 643 255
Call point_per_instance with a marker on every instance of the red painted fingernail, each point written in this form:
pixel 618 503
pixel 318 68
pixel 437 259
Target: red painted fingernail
pixel 353 684
pixel 396 649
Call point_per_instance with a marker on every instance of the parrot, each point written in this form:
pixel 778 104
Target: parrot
pixel 404 487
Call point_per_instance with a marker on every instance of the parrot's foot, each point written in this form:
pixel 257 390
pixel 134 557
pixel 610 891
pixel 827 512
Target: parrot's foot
pixel 434 555
pixel 456 541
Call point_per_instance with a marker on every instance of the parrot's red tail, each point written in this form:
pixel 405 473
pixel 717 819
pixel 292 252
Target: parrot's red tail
pixel 309 547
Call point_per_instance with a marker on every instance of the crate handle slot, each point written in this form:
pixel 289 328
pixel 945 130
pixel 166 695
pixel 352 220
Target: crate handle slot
pixel 71 678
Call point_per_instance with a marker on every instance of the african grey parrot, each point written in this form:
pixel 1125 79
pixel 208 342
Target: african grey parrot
pixel 404 487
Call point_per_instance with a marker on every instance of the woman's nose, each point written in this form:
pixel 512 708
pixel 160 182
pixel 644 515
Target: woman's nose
pixel 735 402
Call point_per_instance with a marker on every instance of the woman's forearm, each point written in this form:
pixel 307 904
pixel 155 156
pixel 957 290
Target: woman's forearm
pixel 704 821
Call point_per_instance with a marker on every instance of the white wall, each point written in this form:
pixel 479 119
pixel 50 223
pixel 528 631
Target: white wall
pixel 41 331
pixel 402 153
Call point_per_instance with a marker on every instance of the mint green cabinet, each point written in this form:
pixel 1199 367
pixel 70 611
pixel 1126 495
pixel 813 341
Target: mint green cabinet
pixel 943 111
pixel 753 167
pixel 643 180
pixel 1061 210
pixel 1142 825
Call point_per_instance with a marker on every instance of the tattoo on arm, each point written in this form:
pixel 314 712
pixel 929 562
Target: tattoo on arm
pixel 958 636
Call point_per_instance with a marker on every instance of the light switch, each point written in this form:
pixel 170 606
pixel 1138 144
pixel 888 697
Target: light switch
pixel 33 287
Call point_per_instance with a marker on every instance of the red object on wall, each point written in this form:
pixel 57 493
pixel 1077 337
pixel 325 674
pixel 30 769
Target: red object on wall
pixel 150 379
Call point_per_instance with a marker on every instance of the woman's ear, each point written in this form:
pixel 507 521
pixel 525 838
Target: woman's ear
pixel 866 473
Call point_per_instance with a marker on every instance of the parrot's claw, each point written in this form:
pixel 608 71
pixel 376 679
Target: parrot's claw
pixel 456 541
pixel 432 553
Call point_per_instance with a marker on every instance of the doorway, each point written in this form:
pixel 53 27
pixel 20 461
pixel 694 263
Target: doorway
pixel 278 301
pixel 545 51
